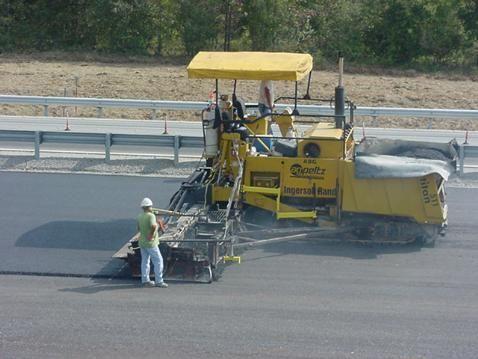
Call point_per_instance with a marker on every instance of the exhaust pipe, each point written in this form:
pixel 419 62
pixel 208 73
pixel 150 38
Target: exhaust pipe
pixel 340 97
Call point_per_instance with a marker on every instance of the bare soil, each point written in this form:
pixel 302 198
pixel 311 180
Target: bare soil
pixel 117 78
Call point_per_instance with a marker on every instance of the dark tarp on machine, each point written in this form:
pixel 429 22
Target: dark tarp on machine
pixel 387 158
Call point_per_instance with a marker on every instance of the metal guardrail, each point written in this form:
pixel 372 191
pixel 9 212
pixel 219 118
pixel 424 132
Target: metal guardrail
pixel 176 142
pixel 466 151
pixel 154 105
pixel 107 140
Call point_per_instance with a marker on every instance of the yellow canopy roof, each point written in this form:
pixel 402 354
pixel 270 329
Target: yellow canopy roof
pixel 250 66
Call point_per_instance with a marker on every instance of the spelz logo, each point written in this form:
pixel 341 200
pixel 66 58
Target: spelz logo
pixel 297 170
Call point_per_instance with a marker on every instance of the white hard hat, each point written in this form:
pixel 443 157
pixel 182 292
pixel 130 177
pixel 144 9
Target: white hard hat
pixel 146 202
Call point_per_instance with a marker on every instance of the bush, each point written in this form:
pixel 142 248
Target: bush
pixel 395 30
pixel 443 33
pixel 265 21
pixel 392 32
pixel 124 26
pixel 198 24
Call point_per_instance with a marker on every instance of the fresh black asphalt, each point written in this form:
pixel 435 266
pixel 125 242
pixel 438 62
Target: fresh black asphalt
pixel 289 300
pixel 71 224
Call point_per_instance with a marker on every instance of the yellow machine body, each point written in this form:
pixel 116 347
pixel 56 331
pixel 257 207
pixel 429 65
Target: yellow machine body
pixel 293 187
pixel 257 188
pixel 420 199
pixel 316 182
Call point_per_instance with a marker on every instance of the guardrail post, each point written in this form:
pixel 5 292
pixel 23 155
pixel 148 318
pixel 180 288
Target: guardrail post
pixel 37 144
pixel 176 150
pixel 99 112
pixel 153 114
pixel 374 121
pixel 430 124
pixel 45 110
pixel 461 157
pixel 107 147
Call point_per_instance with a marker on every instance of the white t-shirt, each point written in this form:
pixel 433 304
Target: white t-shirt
pixel 262 92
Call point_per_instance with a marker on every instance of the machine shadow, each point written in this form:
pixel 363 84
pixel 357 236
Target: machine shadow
pixel 336 249
pixel 121 279
pixel 81 235
pixel 104 284
pixel 124 283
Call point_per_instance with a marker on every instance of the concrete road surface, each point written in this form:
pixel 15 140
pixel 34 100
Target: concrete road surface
pixel 185 128
pixel 289 300
pixel 189 128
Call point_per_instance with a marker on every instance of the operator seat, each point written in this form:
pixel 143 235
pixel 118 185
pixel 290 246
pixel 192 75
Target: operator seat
pixel 239 105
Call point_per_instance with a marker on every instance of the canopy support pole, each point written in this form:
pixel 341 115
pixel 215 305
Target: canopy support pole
pixel 295 112
pixel 307 95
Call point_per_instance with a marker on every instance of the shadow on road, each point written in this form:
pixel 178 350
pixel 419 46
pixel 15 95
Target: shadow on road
pixel 110 236
pixel 101 285
pixel 335 249
pixel 122 282
pixel 79 235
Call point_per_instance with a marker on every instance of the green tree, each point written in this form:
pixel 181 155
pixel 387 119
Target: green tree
pixel 339 26
pixel 124 26
pixel 443 33
pixel 199 25
pixel 14 29
pixel 166 18
pixel 395 30
pixel 264 20
pixel 468 13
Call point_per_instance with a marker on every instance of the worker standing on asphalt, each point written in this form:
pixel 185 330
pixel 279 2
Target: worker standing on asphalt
pixel 148 244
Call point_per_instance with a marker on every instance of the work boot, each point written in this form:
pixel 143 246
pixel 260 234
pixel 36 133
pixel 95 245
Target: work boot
pixel 161 285
pixel 148 284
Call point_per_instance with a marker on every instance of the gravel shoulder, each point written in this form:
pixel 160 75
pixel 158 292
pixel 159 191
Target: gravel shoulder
pixel 146 167
pixel 120 166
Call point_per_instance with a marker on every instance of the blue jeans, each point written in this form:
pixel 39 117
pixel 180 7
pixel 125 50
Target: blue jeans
pixel 155 255
pixel 263 109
